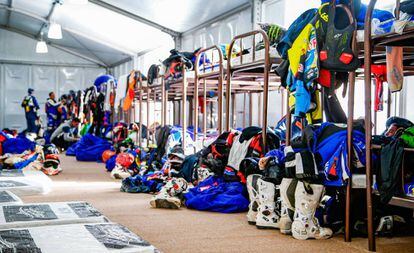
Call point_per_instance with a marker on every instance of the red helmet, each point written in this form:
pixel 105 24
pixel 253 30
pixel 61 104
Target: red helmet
pixel 107 154
pixel 125 159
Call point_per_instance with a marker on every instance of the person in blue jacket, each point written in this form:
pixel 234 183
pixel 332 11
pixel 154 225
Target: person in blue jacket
pixel 31 107
pixel 52 112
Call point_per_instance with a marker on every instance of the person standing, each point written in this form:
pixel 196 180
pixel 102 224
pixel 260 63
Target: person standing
pixel 52 112
pixel 31 107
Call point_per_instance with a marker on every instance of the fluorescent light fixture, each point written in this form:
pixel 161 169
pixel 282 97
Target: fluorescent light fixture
pixel 55 31
pixel 41 47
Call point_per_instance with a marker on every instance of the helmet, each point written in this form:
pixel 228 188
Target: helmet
pixel 51 165
pixel 249 166
pixel 125 160
pixel 107 154
pixel 50 149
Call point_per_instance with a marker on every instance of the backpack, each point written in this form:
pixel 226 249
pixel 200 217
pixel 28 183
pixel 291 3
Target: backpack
pixel 27 103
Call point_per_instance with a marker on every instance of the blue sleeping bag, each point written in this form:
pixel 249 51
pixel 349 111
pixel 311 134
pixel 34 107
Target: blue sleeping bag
pixel 216 195
pixel 18 145
pixel 72 149
pixel 90 148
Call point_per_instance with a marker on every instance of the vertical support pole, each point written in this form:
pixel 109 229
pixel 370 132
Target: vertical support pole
pixel 351 95
pixel 259 110
pixel 195 119
pixel 148 113
pixel 205 110
pixel 166 106
pixel 350 149
pixel 184 106
pixel 220 94
pixel 265 90
pixel 368 128
pixel 250 109
pixel 228 87
pixel 163 108
pixel 155 114
pixel 228 98
pixel 140 109
pixel 233 110
pixel 288 120
pixel 244 111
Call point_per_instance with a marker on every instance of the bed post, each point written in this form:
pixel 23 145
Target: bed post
pixel 351 96
pixel 140 109
pixel 368 127
pixel 184 106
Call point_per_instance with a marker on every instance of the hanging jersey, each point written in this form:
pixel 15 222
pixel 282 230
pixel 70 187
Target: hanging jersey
pixel 302 53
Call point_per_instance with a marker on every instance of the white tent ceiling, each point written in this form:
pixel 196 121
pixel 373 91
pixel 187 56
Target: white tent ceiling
pixel 177 15
pixel 109 32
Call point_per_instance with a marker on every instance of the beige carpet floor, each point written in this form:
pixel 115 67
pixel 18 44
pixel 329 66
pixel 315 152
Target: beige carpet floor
pixel 188 230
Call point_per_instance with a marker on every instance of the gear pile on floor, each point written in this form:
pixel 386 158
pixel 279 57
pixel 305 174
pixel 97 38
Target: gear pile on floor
pixel 18 152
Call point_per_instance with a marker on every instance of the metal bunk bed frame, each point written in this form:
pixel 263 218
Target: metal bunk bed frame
pixel 406 39
pixel 201 75
pixel 143 93
pixel 243 70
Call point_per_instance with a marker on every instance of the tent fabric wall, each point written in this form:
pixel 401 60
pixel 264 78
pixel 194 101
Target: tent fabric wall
pixel 21 68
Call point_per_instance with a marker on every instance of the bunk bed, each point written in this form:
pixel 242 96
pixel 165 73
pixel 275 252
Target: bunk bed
pixel 251 73
pixel 147 93
pixel 212 73
pixel 371 45
pixel 180 89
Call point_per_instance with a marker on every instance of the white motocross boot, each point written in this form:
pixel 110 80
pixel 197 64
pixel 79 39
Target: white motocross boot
pixel 287 207
pixel 305 225
pixel 168 196
pixel 252 189
pixel 268 215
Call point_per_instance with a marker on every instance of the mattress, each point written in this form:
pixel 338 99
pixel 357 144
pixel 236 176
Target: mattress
pixel 360 33
pixel 79 238
pixel 23 183
pixel 260 55
pixel 209 68
pixel 42 214
pixel 8 198
pixel 157 81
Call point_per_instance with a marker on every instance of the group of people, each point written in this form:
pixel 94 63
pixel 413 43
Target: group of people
pixel 62 124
